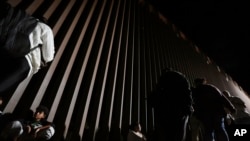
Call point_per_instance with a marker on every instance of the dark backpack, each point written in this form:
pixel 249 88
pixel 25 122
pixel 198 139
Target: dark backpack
pixel 15 27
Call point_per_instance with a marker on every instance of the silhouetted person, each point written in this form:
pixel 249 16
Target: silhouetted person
pixel 172 104
pixel 135 133
pixel 209 108
pixel 241 116
pixel 194 123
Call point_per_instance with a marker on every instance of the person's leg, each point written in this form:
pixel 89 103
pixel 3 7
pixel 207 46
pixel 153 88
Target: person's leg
pixel 207 129
pixel 183 128
pixel 13 72
pixel 220 130
pixel 179 130
pixel 195 128
pixel 201 132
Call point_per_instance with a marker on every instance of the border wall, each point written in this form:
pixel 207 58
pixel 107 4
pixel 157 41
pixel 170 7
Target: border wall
pixel 109 55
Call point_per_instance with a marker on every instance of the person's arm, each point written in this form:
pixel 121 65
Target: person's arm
pixel 48 48
pixel 47 126
pixel 228 104
pixel 43 127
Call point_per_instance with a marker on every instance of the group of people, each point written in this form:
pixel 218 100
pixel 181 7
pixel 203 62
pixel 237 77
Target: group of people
pixel 203 109
pixel 186 113
pixel 15 70
pixel 28 128
pixel 209 114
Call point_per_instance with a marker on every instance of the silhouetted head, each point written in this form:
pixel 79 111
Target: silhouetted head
pixel 173 80
pixel 41 112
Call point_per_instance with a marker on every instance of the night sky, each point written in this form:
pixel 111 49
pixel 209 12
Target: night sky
pixel 221 29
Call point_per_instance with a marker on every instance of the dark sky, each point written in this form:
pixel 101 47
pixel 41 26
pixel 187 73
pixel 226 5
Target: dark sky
pixel 221 29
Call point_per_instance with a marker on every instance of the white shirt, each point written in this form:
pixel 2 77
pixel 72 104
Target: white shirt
pixel 42 34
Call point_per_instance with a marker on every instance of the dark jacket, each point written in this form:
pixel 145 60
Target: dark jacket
pixel 209 101
pixel 172 95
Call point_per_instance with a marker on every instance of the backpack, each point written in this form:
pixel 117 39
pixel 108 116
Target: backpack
pixel 15 27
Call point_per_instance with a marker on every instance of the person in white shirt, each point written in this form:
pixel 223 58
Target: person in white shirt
pixel 43 36
pixel 16 70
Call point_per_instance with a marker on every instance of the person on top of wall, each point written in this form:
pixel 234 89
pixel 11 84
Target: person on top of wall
pixel 17 69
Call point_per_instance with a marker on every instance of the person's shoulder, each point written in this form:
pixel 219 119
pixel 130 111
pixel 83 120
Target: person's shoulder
pixel 174 72
pixel 44 25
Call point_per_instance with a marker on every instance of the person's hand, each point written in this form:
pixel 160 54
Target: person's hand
pixel 36 131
